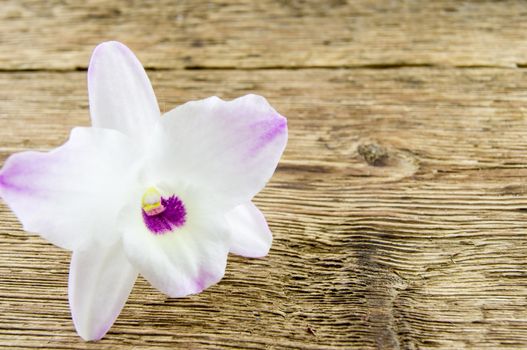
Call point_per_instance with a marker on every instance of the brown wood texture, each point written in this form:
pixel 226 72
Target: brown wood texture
pixel 60 34
pixel 399 208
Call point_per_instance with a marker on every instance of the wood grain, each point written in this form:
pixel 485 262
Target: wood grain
pixel 60 34
pixel 425 251
pixel 398 209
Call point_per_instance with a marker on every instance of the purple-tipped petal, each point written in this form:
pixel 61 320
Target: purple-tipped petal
pixel 229 148
pixel 100 280
pixel 72 195
pixel 121 96
pixel 250 234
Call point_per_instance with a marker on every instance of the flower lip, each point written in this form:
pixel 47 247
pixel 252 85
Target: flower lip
pixel 162 215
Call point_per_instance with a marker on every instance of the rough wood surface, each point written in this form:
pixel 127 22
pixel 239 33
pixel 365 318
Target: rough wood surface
pixel 399 207
pixel 60 34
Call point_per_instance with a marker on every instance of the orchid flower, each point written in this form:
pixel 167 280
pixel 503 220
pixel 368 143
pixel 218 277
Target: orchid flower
pixel 164 196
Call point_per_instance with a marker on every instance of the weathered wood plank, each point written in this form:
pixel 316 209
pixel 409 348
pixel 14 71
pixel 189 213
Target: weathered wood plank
pixel 257 34
pixel 426 249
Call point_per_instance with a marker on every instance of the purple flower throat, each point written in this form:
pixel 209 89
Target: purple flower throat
pixel 167 216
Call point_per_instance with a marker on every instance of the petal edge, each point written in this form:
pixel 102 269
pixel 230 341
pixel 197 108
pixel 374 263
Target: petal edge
pixel 120 93
pixel 239 141
pixel 100 280
pixel 57 193
pixel 250 234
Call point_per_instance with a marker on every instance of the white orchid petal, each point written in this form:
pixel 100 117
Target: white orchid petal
pixel 71 195
pixel 250 234
pixel 100 280
pixel 183 261
pixel 230 148
pixel 121 96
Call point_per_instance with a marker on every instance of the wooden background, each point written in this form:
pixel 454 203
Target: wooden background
pixel 399 208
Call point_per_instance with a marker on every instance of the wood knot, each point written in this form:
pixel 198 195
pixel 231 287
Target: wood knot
pixel 373 154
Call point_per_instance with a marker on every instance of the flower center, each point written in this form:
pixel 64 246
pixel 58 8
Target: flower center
pixel 160 214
